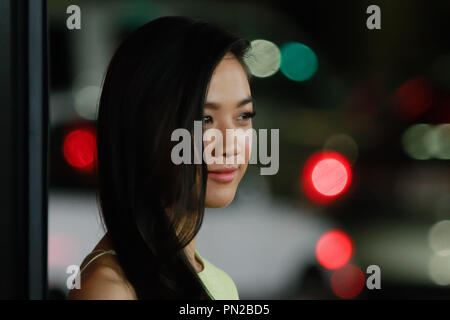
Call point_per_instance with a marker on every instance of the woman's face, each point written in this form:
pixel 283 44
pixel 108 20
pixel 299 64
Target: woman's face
pixel 228 106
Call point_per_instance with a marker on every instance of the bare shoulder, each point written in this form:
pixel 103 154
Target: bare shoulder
pixel 103 280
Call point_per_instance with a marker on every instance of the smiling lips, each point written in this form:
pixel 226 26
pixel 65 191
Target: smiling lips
pixel 223 174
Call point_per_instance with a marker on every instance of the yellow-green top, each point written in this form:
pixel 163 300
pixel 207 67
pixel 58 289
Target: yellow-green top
pixel 217 282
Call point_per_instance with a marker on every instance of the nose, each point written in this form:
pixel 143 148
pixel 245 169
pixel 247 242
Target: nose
pixel 231 145
pixel 225 148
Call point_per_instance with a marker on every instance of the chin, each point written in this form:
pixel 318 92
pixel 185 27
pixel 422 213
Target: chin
pixel 219 198
pixel 218 204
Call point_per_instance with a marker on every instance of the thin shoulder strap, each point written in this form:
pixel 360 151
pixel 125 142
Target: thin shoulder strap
pixel 102 252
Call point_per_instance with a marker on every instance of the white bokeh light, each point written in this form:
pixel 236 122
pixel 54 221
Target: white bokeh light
pixel 86 102
pixel 264 59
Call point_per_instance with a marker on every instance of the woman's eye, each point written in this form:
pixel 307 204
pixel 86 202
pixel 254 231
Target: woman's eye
pixel 247 115
pixel 207 119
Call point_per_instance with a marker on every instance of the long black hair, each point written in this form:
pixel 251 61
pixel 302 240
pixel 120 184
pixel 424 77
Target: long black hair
pixel 157 81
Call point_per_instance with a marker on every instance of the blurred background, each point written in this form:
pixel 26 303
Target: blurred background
pixel 364 122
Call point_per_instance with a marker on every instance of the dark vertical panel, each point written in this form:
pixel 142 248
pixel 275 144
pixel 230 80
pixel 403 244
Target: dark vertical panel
pixel 37 147
pixel 12 266
pixel 23 141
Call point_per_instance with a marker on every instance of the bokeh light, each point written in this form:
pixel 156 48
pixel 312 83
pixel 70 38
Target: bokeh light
pixel 424 141
pixel 415 143
pixel 348 281
pixel 329 177
pixel 325 176
pixel 439 238
pixel 264 59
pixel 442 141
pixel 138 12
pixel 79 149
pixel 413 98
pixel 334 249
pixel 439 269
pixel 86 102
pixel 298 61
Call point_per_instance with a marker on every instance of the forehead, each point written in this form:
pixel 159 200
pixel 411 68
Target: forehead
pixel 229 81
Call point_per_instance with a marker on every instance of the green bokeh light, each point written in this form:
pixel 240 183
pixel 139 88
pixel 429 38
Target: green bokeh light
pixel 442 133
pixel 137 13
pixel 298 61
pixel 416 141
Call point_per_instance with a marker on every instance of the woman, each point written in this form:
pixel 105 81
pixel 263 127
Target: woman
pixel 167 74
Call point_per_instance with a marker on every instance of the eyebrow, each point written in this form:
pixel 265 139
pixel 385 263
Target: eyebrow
pixel 215 105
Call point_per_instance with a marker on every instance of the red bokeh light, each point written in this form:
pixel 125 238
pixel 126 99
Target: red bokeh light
pixel 79 149
pixel 413 98
pixel 334 249
pixel 347 282
pixel 325 176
